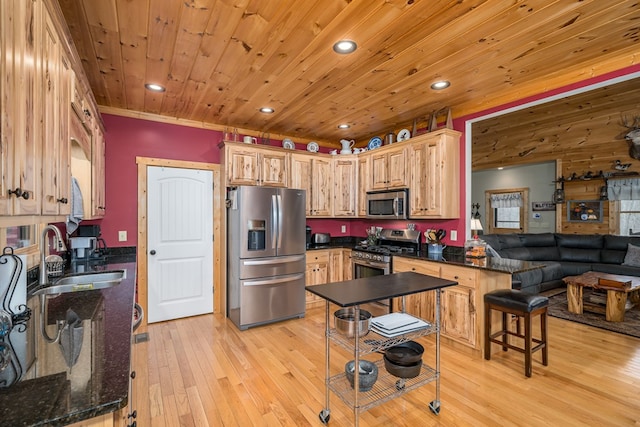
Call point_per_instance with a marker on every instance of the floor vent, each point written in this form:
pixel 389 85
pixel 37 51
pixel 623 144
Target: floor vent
pixel 138 338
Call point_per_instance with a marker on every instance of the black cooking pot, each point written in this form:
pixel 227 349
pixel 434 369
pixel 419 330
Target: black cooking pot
pixel 406 354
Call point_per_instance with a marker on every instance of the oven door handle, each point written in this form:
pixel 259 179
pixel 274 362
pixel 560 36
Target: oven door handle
pixel 381 265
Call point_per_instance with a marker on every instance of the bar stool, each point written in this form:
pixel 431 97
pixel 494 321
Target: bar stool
pixel 522 305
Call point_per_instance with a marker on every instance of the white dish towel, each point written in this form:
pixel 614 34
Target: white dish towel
pixel 77 210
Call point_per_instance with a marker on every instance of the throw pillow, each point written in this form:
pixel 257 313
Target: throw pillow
pixel 632 257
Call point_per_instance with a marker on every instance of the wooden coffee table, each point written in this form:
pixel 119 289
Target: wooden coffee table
pixel 618 288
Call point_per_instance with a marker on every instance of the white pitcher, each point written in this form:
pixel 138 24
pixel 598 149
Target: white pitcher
pixel 346 145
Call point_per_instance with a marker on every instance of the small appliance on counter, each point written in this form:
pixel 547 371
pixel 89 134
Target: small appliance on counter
pixel 87 243
pixel 320 239
pixel 308 233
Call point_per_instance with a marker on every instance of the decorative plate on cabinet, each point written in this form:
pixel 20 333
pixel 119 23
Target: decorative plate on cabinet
pixel 374 142
pixel 288 144
pixel 403 135
pixel 313 147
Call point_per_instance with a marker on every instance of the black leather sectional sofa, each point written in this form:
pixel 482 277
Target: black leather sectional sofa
pixel 563 255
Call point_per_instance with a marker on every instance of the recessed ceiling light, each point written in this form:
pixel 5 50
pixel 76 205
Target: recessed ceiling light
pixel 344 126
pixel 154 87
pixel 267 110
pixel 443 84
pixel 345 46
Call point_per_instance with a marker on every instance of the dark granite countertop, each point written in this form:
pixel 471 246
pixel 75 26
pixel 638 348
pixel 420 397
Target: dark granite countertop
pixel 88 375
pixel 368 289
pixel 453 256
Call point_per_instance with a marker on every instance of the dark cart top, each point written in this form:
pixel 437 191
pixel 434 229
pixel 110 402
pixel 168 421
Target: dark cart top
pixel 369 289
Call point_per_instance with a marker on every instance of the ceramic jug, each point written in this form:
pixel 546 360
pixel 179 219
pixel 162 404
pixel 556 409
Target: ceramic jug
pixel 346 145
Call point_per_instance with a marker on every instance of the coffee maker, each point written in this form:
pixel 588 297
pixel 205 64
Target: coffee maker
pixel 83 248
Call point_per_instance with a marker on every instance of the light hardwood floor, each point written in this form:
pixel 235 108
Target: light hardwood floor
pixel 203 371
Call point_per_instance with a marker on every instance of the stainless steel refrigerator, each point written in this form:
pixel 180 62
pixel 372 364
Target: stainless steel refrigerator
pixel 265 255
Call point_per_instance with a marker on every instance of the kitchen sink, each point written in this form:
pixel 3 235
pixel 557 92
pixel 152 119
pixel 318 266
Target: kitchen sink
pixel 83 282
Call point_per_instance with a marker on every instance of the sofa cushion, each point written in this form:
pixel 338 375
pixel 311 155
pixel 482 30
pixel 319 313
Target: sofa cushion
pixel 542 239
pixel 579 255
pixel 509 241
pixel 620 243
pixel 589 241
pixel 516 253
pixel 552 271
pixel 632 258
pixel 544 253
pixel 575 268
pixel 528 278
pixel 611 256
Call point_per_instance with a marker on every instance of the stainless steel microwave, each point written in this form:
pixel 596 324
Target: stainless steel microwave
pixel 387 204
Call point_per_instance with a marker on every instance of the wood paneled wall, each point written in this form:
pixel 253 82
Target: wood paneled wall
pixel 582 133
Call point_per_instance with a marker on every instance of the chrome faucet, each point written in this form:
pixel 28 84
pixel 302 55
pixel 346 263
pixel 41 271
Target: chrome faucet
pixel 44 245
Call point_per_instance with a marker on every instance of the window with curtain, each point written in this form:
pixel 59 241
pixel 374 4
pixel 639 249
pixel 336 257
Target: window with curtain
pixel 625 193
pixel 508 210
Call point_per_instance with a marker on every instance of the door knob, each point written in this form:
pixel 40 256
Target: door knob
pixel 152 252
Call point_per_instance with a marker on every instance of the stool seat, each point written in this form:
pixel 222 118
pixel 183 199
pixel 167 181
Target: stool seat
pixel 521 305
pixel 516 300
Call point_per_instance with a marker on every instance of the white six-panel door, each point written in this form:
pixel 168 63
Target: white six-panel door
pixel 179 242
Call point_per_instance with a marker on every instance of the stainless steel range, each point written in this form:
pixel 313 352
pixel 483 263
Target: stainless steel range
pixel 370 261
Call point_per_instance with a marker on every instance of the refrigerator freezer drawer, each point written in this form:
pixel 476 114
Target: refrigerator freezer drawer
pixel 273 266
pixel 270 299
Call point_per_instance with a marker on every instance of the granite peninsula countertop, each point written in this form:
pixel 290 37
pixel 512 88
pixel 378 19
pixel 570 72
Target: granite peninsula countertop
pixel 88 375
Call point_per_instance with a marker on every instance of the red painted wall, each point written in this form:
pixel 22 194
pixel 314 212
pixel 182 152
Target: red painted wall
pixel 128 138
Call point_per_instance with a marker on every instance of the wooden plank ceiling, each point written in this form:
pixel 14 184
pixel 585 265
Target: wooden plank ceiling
pixel 221 60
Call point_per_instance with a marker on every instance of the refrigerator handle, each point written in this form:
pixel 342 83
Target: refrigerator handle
pixel 273 281
pixel 279 202
pixel 274 221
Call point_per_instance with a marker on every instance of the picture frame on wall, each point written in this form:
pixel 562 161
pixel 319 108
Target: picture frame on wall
pixel 584 211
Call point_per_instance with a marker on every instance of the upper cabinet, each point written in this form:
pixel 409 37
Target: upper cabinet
pixel 313 173
pixel 252 165
pixel 36 92
pixel 20 155
pixel 434 188
pixel 344 188
pixel 388 167
pixel 53 117
pixel 364 183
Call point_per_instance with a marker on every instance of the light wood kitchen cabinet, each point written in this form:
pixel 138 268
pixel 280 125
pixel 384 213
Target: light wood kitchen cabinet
pixel 316 273
pixel 434 183
pixel 422 304
pixel 461 306
pixel 54 83
pixel 345 172
pixel 98 205
pixel 389 167
pixel 347 268
pixel 364 183
pixel 20 174
pixel 252 165
pixel 315 175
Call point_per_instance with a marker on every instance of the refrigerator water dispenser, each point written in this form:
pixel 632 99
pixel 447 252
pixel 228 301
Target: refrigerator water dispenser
pixel 257 238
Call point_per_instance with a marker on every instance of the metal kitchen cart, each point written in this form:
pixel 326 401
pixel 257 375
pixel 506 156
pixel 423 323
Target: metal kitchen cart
pixel 353 293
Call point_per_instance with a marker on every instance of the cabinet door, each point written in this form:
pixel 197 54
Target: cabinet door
pixel 347 267
pixel 459 314
pixel 274 168
pixel 242 166
pixel 335 265
pixel 98 173
pixel 379 171
pixel 20 101
pixel 418 188
pixel 322 186
pixel 397 168
pixel 301 177
pixel 364 183
pixel 422 304
pixel 344 190
pixel 316 273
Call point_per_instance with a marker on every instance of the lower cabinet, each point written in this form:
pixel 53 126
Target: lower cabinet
pixel 326 266
pixel 461 306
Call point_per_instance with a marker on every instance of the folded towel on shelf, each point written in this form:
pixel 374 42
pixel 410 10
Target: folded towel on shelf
pixel 77 210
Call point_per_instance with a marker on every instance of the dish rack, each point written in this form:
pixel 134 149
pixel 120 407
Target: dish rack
pixel 55 265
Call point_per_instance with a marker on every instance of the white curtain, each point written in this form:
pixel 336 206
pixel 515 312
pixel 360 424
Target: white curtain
pixel 506 200
pixel 623 189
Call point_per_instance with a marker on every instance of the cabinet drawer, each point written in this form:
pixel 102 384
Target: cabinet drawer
pixel 317 256
pixel 423 267
pixel 464 276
